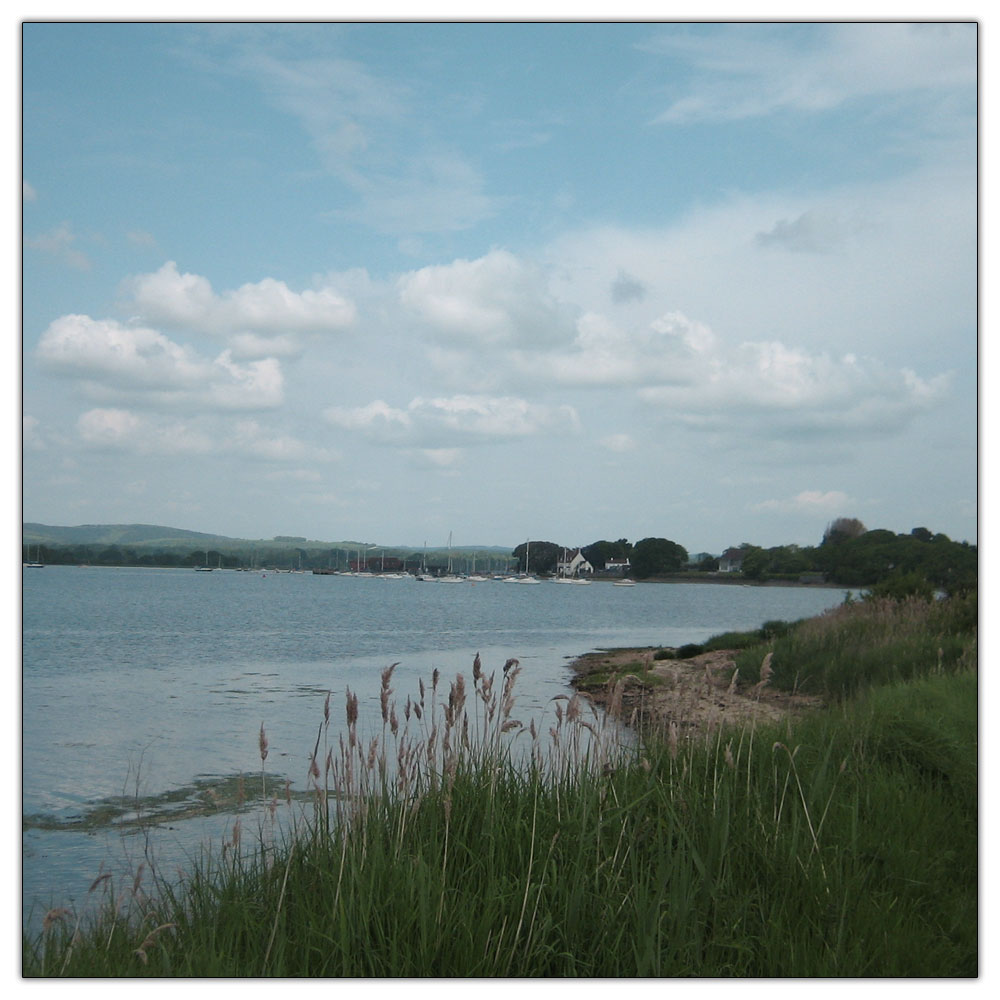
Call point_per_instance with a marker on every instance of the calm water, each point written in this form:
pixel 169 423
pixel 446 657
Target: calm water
pixel 146 683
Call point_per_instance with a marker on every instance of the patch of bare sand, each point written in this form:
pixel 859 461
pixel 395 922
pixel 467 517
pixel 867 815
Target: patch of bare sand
pixel 698 694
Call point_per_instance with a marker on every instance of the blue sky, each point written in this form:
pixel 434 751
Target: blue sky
pixel 712 282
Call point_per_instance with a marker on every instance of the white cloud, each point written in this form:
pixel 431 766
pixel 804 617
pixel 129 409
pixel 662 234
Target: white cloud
pixel 667 350
pixel 440 458
pixel 437 424
pixel 137 356
pixel 113 359
pixel 747 72
pixel 28 193
pixel 376 420
pixel 361 126
pixel 774 391
pixel 256 385
pixel 491 418
pixel 619 443
pixel 502 323
pixel 248 437
pixel 60 243
pixel 126 431
pixel 808 502
pixel 251 345
pixel 173 299
pixel 122 430
pixel 497 300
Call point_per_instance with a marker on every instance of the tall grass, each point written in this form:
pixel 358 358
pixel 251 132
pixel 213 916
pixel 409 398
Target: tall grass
pixel 865 643
pixel 452 840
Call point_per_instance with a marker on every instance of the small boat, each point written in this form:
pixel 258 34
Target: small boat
pixel 624 583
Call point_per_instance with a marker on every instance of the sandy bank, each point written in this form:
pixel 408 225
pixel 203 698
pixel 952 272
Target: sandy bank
pixel 698 694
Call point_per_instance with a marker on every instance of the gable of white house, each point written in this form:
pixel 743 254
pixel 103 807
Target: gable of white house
pixel 574 566
pixel 731 561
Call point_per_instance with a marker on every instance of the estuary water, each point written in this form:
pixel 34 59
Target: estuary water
pixel 150 686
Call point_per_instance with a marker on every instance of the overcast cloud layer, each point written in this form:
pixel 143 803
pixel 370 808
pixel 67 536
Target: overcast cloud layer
pixel 567 282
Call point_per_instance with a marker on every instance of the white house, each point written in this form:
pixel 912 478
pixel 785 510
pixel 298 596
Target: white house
pixel 573 564
pixel 731 561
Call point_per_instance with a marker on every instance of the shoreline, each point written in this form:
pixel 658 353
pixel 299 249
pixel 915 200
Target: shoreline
pixel 693 696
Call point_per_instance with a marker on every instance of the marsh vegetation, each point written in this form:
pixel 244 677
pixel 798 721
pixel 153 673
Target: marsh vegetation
pixel 452 838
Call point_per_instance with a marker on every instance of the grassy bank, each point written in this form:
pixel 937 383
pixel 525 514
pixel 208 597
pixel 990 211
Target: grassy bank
pixel 451 840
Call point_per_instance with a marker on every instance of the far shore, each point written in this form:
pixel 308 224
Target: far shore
pixel 730 580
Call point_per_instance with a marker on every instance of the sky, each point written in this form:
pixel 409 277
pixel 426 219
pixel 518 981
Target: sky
pixel 395 282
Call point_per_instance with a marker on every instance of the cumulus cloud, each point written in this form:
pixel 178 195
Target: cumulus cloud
pixel 506 323
pixel 602 353
pixel 127 431
pixel 494 301
pixel 490 417
pixel 244 346
pixel 436 424
pixel 114 359
pixel 187 301
pixel 122 430
pixel 782 392
pixel 377 420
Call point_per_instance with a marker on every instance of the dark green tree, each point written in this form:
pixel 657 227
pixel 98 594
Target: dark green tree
pixel 842 529
pixel 542 556
pixel 598 554
pixel 656 556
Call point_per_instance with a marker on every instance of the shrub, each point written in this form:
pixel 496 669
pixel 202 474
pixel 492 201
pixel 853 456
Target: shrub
pixel 688 650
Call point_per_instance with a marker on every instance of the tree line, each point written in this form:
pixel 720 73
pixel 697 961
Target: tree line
pixel 849 555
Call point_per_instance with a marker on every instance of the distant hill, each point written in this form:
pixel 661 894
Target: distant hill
pixel 160 537
pixel 117 534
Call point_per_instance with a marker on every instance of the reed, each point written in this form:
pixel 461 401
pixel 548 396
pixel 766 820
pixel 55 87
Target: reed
pixel 462 843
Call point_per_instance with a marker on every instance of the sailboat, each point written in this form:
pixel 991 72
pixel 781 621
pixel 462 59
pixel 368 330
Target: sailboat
pixel 527 578
pixel 450 576
pixel 37 564
pixel 475 577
